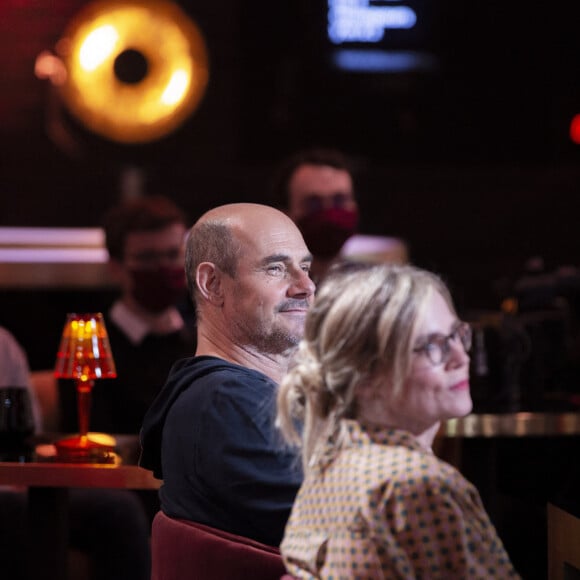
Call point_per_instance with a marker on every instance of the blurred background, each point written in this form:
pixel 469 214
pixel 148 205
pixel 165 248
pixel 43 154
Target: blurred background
pixel 461 115
pixel 461 124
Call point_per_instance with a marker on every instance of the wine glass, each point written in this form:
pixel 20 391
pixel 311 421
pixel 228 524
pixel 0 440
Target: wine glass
pixel 16 423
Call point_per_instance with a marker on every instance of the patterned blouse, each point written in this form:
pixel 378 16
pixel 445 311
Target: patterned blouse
pixel 388 508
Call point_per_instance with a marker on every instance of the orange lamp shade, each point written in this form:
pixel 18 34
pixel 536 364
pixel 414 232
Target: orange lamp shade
pixel 85 353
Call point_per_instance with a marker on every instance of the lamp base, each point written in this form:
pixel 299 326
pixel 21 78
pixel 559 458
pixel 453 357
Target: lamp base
pixel 90 448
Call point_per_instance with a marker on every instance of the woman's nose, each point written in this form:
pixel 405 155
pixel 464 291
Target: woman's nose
pixel 458 356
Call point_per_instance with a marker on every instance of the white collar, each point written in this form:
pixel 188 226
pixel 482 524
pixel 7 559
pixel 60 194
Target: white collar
pixel 137 328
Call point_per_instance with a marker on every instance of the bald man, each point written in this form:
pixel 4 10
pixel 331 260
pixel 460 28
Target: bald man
pixel 210 434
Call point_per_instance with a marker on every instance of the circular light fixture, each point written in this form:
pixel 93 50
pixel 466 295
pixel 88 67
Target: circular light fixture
pixel 136 70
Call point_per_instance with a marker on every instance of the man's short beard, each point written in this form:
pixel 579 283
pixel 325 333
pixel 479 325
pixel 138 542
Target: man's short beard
pixel 277 343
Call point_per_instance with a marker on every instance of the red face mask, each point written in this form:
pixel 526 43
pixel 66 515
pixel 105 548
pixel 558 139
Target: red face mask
pixel 326 230
pixel 155 290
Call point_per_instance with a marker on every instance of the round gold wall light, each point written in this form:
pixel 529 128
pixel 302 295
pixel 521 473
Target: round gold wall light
pixel 136 70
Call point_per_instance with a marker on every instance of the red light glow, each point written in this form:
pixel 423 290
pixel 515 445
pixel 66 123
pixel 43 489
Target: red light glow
pixel 575 129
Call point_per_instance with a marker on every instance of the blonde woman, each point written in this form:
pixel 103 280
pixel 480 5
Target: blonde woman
pixel 384 360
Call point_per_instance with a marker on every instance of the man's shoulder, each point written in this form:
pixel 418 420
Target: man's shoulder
pixel 213 379
pixel 210 368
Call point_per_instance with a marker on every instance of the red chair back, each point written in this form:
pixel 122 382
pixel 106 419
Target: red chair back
pixel 184 550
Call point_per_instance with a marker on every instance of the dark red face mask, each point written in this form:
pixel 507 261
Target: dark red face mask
pixel 326 230
pixel 155 290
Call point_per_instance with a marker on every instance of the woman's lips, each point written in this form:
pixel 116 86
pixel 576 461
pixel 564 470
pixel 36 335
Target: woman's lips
pixel 460 386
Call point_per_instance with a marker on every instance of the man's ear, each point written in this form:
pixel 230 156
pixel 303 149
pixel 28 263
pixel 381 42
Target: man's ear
pixel 209 282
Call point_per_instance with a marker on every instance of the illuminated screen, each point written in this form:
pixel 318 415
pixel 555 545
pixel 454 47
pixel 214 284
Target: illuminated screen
pixel 381 35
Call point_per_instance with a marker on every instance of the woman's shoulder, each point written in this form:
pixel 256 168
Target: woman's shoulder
pixel 407 469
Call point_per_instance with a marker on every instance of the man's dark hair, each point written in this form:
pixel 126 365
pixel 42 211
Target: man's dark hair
pixel 143 214
pixel 315 156
pixel 210 241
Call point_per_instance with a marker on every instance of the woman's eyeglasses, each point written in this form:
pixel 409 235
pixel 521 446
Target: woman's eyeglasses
pixel 437 347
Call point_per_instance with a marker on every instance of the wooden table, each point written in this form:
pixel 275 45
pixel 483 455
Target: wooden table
pixel 48 485
pixel 56 475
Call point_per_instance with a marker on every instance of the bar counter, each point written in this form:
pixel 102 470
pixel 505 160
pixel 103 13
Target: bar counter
pixel 521 424
pixel 518 461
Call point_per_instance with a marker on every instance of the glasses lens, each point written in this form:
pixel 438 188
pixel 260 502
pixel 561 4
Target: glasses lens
pixel 465 334
pixel 435 349
pixel 438 348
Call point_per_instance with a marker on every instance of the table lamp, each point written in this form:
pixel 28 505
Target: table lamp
pixel 84 355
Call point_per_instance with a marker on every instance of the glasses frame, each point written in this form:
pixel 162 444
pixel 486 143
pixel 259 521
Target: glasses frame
pixel 462 332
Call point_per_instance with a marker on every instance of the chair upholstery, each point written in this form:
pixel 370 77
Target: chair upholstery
pixel 563 544
pixel 184 550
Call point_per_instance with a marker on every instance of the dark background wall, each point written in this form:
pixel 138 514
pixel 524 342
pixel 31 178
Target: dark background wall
pixel 469 162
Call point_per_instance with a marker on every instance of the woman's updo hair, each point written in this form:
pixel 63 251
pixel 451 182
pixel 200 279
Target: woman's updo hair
pixel 359 330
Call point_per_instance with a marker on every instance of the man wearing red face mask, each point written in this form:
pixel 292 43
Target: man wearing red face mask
pixel 315 187
pixel 147 324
